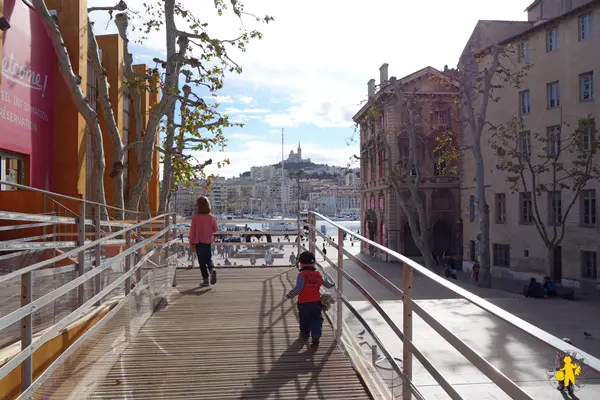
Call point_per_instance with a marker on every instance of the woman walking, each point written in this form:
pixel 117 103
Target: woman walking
pixel 204 225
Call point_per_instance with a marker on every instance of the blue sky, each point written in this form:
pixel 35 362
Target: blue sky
pixel 309 73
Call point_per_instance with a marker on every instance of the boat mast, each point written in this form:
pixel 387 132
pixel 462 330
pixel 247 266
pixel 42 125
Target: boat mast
pixel 282 178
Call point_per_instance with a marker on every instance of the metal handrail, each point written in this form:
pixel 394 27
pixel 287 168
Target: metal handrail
pixel 539 334
pixel 62 196
pixel 77 250
pixel 370 330
pixel 16 315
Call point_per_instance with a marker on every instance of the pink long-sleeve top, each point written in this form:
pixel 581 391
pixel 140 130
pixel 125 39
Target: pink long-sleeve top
pixel 203 228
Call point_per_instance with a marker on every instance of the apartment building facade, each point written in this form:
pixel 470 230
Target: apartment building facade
pixel 382 218
pixel 559 43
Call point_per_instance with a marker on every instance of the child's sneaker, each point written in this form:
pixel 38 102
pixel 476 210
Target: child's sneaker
pixel 204 283
pixel 213 276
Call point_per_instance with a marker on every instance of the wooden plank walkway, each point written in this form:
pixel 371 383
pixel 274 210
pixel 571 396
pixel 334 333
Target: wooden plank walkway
pixel 234 340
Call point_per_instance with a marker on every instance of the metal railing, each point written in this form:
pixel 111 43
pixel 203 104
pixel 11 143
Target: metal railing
pixel 409 306
pixel 90 264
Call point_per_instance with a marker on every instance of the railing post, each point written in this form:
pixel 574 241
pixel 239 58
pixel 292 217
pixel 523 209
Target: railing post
pixel 81 254
pixel 139 253
pixel 175 237
pixel 340 284
pixel 300 232
pixel 127 262
pixel 312 234
pixel 166 237
pixel 407 326
pixel 98 247
pixel 26 330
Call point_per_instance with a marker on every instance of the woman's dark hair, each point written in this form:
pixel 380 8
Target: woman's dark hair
pixel 202 205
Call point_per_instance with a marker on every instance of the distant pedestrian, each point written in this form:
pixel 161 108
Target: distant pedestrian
pixel 204 225
pixel 308 286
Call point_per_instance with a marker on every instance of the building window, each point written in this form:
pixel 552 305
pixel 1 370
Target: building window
pixel 381 203
pixel 382 160
pixel 586 86
pixel 501 256
pixel 588 207
pixel 589 265
pixel 553 95
pixel 439 117
pixel 382 119
pixel 472 211
pixel 525 102
pixel 554 141
pixel 440 168
pixel 472 255
pixel 525 143
pixel 373 169
pixel 552 39
pixel 526 208
pixel 500 200
pixel 524 51
pixel 585 26
pixel 588 140
pixel 372 203
pixel 11 170
pixel 554 207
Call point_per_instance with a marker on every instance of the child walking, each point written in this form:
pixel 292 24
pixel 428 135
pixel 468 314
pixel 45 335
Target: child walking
pixel 204 225
pixel 308 285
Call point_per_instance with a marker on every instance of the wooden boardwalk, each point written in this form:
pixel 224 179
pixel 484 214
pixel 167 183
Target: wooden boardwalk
pixel 234 340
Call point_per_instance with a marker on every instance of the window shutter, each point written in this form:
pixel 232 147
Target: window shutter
pixel 477 250
pixel 476 210
pixel 468 209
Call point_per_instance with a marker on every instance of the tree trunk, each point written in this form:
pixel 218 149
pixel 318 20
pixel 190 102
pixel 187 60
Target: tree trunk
pixel 167 182
pixel 552 272
pixel 74 84
pixel 116 172
pixel 485 274
pixel 169 92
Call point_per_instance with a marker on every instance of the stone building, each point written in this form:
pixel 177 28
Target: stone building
pixel 560 45
pixel 382 218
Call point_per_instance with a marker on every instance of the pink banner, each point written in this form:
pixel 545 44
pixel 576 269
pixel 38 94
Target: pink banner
pixel 27 91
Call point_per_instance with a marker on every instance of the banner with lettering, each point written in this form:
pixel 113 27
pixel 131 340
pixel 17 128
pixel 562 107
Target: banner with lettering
pixel 27 90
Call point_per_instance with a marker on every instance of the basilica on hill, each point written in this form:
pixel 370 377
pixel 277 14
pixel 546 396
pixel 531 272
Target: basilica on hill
pixel 297 157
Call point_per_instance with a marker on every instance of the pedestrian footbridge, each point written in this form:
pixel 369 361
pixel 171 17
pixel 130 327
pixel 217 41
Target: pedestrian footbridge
pixel 97 306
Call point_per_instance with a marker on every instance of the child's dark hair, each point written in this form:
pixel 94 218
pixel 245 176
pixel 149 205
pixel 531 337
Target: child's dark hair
pixel 203 205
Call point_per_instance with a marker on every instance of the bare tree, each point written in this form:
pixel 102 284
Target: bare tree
pixel 479 80
pixel 562 163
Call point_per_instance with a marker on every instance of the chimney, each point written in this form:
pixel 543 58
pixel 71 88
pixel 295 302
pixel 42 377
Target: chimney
pixel 371 88
pixel 383 73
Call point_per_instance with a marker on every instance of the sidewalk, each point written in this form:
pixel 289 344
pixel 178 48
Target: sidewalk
pixel 518 355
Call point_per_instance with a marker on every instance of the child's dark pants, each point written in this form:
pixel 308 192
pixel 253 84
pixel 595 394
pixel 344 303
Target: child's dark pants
pixel 204 252
pixel 311 320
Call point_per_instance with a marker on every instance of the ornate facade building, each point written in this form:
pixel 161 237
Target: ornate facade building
pixel 384 144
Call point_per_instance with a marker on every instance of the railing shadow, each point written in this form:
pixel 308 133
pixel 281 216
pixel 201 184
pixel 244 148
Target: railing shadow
pixel 291 364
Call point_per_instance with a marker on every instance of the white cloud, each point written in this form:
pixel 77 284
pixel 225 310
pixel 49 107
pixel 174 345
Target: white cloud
pixel 257 152
pixel 240 136
pixel 219 99
pixel 324 68
pixel 315 65
pixel 244 99
pixel 234 110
